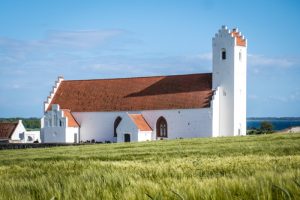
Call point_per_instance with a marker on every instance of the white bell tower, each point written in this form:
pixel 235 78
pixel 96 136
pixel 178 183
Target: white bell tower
pixel 229 82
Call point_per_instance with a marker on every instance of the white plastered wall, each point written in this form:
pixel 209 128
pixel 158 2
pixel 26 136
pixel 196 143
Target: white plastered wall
pixel 144 136
pixel 182 123
pixel 34 135
pixel 240 90
pixel 215 108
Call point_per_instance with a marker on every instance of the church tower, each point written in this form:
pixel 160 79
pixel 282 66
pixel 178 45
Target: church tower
pixel 229 82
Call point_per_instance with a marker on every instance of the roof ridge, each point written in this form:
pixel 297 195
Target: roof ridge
pixel 157 76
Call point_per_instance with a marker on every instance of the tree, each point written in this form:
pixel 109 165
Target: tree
pixel 266 127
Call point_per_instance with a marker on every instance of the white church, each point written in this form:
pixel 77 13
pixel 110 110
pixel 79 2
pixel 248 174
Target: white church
pixel 154 108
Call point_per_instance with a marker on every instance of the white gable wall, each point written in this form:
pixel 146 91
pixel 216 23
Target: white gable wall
pixel 54 127
pixel 127 126
pixel 19 132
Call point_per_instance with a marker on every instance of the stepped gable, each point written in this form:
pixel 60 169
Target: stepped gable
pixel 240 40
pixel 140 93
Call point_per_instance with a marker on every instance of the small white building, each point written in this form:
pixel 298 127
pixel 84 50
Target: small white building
pixel 59 126
pixel 134 128
pixel 158 107
pixel 15 132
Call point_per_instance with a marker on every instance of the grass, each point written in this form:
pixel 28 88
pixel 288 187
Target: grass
pixel 249 167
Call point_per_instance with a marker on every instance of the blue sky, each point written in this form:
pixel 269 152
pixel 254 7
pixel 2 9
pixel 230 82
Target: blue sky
pixel 40 40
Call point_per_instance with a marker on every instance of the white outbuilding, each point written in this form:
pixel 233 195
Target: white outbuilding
pixel 15 132
pixel 157 107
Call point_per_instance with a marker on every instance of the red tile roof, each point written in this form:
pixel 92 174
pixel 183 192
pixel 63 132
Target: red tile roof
pixel 239 39
pixel 140 122
pixel 141 93
pixel 7 129
pixel 71 120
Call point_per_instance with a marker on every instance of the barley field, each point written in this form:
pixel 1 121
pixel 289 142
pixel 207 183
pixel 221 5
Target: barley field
pixel 248 167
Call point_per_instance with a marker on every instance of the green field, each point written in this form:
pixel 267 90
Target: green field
pixel 249 167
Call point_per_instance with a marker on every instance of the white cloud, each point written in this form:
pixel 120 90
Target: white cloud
pixel 78 39
pixel 55 41
pixel 134 65
pixel 204 56
pixel 261 60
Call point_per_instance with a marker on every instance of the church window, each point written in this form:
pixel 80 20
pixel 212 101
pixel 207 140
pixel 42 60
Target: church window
pixel 60 123
pixel 116 124
pixel 161 127
pixel 223 54
pixel 240 56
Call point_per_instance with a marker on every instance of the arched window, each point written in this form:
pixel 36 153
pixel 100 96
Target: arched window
pixel 116 124
pixel 161 127
pixel 223 54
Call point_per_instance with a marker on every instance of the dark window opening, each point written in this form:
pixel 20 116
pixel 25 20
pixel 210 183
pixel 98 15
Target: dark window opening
pixel 116 124
pixel 126 137
pixel 223 54
pixel 161 127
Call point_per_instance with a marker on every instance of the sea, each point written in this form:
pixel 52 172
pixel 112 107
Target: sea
pixel 278 123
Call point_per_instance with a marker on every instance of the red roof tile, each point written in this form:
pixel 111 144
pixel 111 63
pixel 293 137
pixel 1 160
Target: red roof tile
pixel 141 93
pixel 71 120
pixel 7 129
pixel 140 122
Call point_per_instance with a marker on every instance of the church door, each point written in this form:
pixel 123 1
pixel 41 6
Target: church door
pixel 126 137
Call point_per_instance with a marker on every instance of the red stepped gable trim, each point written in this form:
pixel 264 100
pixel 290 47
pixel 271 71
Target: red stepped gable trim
pixel 239 39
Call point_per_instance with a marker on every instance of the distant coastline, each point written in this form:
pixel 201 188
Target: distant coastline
pixel 279 123
pixel 273 118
